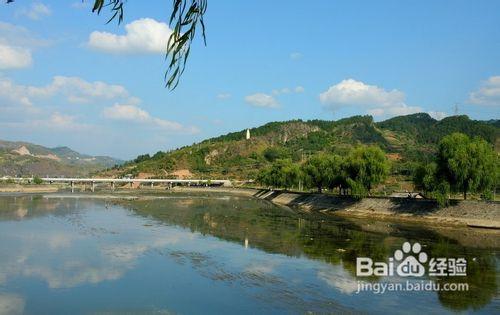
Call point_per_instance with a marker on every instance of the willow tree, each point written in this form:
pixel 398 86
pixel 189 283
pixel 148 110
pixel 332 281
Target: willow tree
pixel 365 167
pixel 186 17
pixel 323 171
pixel 282 173
pixel 468 165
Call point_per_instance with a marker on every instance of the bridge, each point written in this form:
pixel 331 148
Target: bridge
pixel 130 181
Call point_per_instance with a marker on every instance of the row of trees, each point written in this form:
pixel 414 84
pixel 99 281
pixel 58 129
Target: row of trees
pixel 355 174
pixel 461 165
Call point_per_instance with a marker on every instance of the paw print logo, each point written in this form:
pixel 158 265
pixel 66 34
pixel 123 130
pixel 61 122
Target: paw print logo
pixel 411 259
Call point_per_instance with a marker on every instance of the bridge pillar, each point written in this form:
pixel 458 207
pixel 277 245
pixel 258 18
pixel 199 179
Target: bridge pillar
pixel 113 186
pixel 72 186
pixel 92 187
pixel 131 184
pixel 152 184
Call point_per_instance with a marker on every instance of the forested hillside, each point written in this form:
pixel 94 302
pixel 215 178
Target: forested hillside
pixel 405 139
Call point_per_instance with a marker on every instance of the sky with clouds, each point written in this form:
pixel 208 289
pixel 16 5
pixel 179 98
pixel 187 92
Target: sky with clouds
pixel 68 78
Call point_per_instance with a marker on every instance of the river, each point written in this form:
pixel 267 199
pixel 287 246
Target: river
pixel 217 253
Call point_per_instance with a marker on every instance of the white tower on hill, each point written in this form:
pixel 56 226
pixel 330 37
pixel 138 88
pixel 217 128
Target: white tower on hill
pixel 248 134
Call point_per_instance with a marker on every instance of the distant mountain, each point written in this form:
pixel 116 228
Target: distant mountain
pixel 406 139
pixel 24 158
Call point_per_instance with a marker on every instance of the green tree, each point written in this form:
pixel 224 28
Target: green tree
pixel 334 172
pixel 315 171
pixel 264 176
pixel 365 167
pixel 37 180
pixel 425 177
pixel 468 165
pixel 142 158
pixel 291 173
pixel 273 153
pixel 282 173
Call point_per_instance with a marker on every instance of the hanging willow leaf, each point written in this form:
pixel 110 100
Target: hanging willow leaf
pixel 116 7
pixel 186 16
pixel 183 21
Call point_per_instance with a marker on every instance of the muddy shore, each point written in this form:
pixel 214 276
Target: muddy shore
pixel 14 188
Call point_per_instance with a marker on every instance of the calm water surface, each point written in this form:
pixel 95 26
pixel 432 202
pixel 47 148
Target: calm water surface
pixel 212 254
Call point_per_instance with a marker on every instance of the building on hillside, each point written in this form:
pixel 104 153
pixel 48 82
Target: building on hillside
pixel 248 134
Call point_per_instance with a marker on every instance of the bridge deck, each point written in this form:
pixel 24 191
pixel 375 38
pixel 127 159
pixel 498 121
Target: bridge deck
pixel 127 180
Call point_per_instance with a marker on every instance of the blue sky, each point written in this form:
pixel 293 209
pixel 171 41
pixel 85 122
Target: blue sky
pixel 67 78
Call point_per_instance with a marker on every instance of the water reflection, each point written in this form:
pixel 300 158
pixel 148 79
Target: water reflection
pixel 337 242
pixel 80 255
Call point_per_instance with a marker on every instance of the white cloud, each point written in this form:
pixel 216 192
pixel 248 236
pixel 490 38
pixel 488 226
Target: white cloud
pixel 14 35
pixel 268 100
pixel 11 304
pixel 55 122
pixel 299 89
pixel 352 92
pixel 295 56
pixel 64 122
pixel 262 100
pixel 400 110
pixel 126 112
pixel 488 93
pixel 133 113
pixel 223 96
pixel 142 36
pixel 14 57
pixel 375 100
pixel 36 11
pixel 16 44
pixel 281 91
pixel 71 89
pixel 14 96
pixel 438 115
pixel 80 5
pixel 285 90
pixel 78 90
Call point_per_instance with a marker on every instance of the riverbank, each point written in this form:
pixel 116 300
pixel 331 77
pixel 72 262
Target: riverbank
pixel 16 188
pixel 478 214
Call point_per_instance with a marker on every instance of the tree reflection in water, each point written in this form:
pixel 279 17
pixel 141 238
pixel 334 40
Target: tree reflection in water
pixel 264 226
pixel 260 225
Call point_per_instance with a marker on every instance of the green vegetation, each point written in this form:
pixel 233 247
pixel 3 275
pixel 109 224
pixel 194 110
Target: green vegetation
pixel 405 158
pixel 37 180
pixel 27 159
pixel 282 173
pixel 462 165
pixel 363 168
pixel 319 170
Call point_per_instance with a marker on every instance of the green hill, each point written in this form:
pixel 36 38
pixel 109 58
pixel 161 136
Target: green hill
pixel 406 139
pixel 26 159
